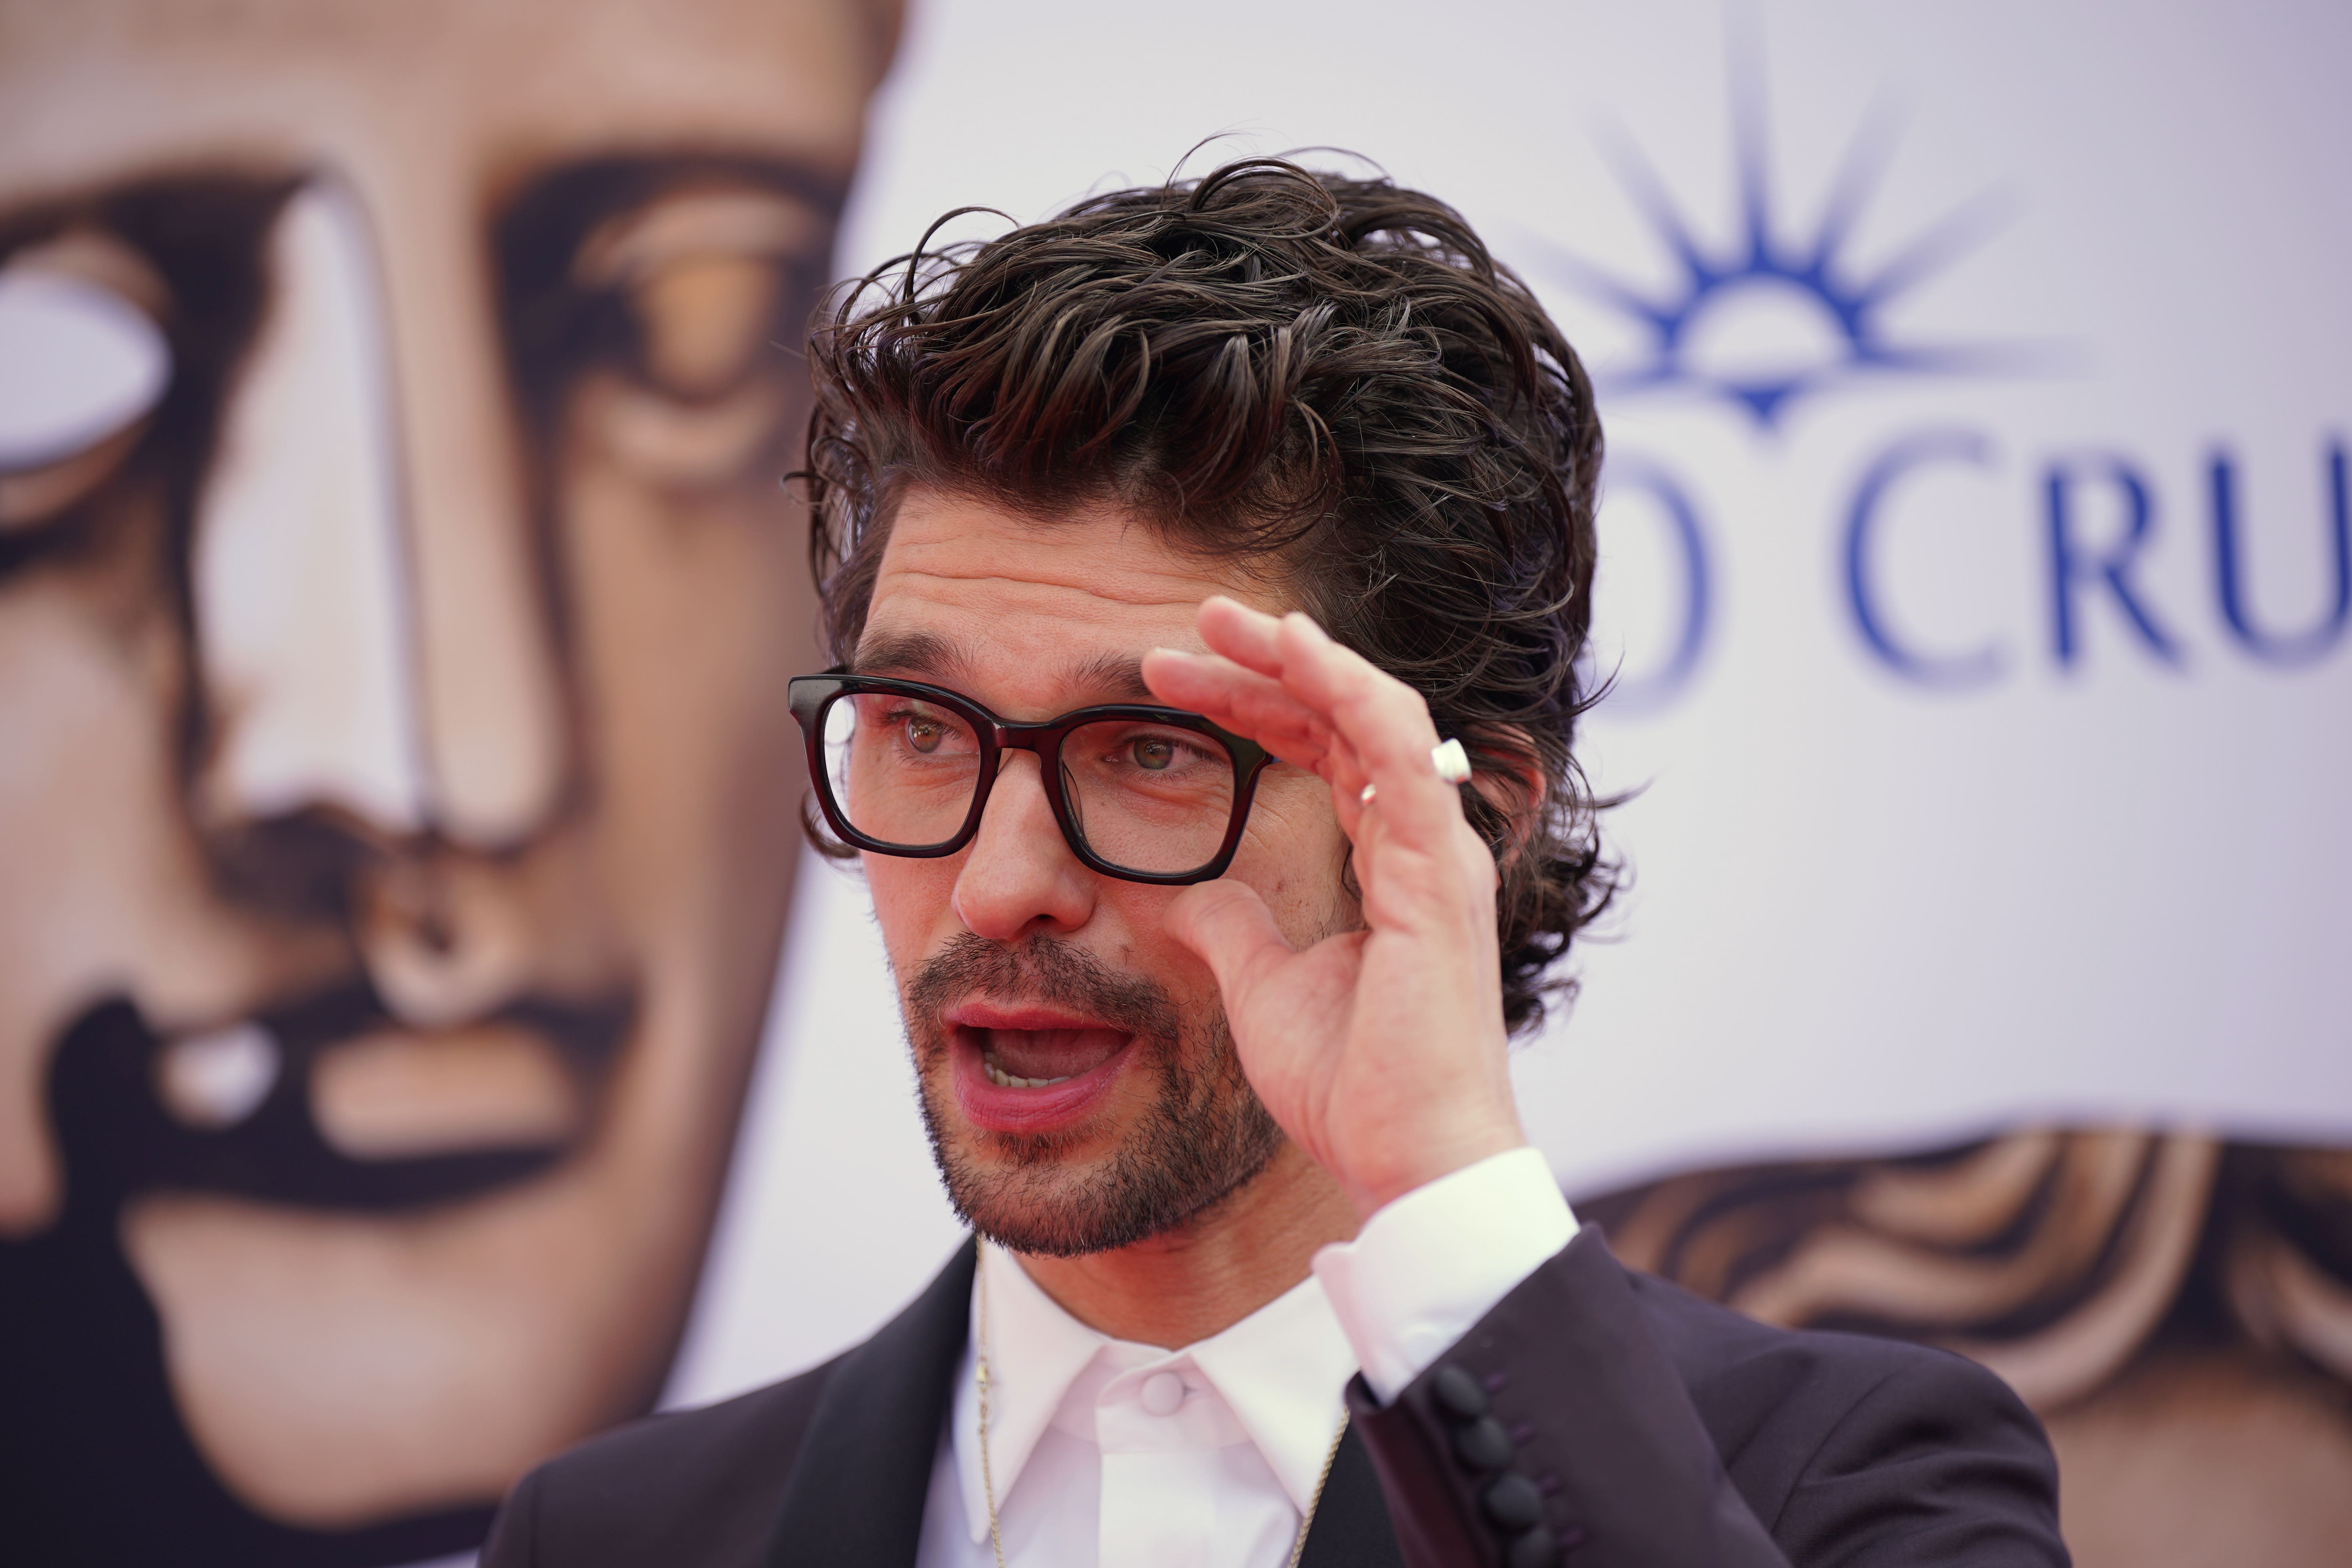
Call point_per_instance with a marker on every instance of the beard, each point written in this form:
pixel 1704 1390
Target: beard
pixel 1203 1136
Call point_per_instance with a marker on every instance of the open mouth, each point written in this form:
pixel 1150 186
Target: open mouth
pixel 1003 1079
pixel 1030 1069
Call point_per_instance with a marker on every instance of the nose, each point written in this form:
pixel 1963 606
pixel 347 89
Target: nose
pixel 1018 876
pixel 492 692
pixel 370 630
pixel 446 935
pixel 297 552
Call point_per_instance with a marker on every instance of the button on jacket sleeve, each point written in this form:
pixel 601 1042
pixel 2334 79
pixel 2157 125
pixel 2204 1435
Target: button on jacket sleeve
pixel 1610 1420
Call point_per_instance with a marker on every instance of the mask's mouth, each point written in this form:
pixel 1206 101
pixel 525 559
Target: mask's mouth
pixel 327 1103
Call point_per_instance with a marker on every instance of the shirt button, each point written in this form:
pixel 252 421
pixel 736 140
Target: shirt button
pixel 1162 1392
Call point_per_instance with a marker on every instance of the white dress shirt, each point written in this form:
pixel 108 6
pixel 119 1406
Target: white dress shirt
pixel 1103 1452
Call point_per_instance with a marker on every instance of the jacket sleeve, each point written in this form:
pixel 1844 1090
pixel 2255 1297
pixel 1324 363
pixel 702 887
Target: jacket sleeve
pixel 511 1544
pixel 1558 1430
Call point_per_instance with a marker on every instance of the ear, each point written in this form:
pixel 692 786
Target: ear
pixel 1511 781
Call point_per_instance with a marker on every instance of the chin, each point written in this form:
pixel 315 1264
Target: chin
pixel 1081 1191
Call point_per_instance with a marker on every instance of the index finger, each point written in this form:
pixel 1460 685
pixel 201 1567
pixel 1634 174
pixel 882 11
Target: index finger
pixel 1382 724
pixel 1253 705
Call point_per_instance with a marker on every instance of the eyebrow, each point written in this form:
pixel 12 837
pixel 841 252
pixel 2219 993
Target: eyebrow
pixel 928 656
pixel 1118 675
pixel 910 654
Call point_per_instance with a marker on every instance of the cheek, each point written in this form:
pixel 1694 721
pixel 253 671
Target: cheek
pixel 1292 855
pixel 1130 933
pixel 914 903
pixel 684 623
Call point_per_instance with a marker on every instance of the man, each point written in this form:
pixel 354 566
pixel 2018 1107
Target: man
pixel 1180 552
pixel 389 585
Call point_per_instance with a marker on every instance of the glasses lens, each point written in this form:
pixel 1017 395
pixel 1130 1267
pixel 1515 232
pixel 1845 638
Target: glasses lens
pixel 903 771
pixel 1148 797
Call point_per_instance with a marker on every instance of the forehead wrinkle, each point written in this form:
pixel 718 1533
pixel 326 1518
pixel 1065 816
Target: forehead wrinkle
pixel 1094 564
pixel 1046 617
pixel 944 661
pixel 1108 585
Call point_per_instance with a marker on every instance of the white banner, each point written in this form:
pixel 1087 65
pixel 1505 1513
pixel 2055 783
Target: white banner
pixel 1974 559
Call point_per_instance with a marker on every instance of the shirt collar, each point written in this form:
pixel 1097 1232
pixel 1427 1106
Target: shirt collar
pixel 1281 1371
pixel 1035 1351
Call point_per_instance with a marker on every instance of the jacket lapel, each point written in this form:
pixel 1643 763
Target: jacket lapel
pixel 864 1469
pixel 1351 1528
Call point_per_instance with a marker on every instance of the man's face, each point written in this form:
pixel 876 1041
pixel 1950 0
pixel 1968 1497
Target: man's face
pixel 1014 960
pixel 396 788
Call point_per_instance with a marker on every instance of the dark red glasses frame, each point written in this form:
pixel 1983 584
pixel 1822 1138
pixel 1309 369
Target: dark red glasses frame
pixel 812 695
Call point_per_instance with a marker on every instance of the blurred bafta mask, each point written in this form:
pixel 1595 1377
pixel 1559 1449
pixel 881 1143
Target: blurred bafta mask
pixel 397 796
pixel 2178 1310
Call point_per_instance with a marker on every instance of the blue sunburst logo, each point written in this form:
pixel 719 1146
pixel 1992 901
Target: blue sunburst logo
pixel 1775 316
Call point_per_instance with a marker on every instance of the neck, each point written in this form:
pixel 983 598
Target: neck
pixel 1201 1278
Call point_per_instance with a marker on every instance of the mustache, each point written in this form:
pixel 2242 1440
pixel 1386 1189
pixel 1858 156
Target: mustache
pixel 1041 969
pixel 1201 1135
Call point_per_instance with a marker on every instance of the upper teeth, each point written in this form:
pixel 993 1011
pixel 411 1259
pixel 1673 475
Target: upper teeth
pixel 1003 1079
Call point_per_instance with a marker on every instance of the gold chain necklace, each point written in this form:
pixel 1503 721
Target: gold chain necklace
pixel 988 1481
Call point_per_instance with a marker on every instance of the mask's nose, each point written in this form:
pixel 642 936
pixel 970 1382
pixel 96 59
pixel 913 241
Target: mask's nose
pixel 298 567
pixel 315 570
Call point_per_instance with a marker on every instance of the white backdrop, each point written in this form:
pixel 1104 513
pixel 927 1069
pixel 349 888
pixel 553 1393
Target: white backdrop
pixel 1982 782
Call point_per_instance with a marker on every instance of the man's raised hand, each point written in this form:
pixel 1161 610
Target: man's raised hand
pixel 1380 1051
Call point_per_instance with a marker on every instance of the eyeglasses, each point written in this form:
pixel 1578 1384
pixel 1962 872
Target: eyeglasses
pixel 1144 794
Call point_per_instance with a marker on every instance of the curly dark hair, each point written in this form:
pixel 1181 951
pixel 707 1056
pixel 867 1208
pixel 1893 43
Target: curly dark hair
pixel 1327 374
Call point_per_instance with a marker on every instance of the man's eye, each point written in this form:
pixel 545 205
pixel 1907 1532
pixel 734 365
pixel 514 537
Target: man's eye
pixel 925 735
pixel 1153 752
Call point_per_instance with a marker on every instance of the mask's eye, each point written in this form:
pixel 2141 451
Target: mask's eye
pixel 704 277
pixel 82 363
pixel 701 318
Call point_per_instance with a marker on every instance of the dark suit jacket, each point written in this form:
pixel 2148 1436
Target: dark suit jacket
pixel 1595 1417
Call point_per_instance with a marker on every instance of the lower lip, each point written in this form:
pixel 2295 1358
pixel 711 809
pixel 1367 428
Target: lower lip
pixel 990 1105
